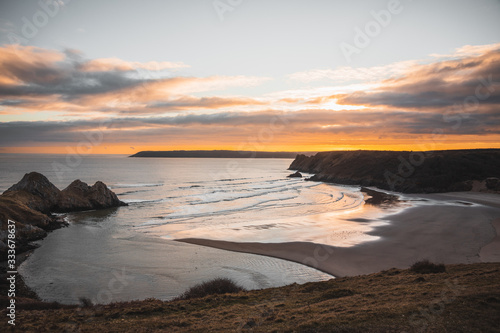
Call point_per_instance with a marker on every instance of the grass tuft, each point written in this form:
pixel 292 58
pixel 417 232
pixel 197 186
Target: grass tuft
pixel 85 302
pixel 212 287
pixel 427 267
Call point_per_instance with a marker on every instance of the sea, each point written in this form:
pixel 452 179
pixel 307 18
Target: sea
pixel 132 252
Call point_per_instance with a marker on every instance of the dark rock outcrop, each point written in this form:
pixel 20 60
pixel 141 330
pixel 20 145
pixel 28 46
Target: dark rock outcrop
pixel 295 175
pixel 31 202
pixel 36 191
pixel 408 172
pixel 80 196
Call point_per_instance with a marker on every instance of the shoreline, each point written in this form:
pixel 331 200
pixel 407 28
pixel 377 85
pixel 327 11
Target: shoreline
pixel 369 257
pixel 450 234
pixel 396 299
pixel 491 251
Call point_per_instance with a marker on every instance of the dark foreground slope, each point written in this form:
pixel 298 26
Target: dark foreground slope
pixel 409 172
pixel 465 298
pixel 215 154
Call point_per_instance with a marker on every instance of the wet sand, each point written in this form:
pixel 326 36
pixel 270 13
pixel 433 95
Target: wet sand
pixel 95 262
pixel 461 232
pixel 491 252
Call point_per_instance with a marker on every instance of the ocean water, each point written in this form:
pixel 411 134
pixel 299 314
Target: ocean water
pixel 244 200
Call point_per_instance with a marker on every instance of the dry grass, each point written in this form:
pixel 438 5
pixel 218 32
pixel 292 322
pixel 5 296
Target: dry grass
pixel 216 286
pixel 466 298
pixel 427 267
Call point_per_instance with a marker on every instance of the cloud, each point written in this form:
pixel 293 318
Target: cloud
pixel 468 82
pixel 347 73
pixel 191 102
pixel 43 79
pixel 30 71
pixel 116 64
pixel 408 107
pixel 468 51
pixel 240 126
pixel 10 102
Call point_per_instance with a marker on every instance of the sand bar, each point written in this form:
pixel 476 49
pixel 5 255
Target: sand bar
pixel 447 233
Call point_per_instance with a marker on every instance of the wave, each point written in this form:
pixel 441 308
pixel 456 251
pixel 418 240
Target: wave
pixel 239 197
pixel 132 192
pixel 134 201
pixel 188 187
pixel 231 200
pixel 194 213
pixel 234 192
pixel 223 180
pixel 136 185
pixel 202 203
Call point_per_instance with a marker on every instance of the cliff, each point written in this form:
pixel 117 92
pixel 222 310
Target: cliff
pixel 408 172
pixel 31 202
pixel 465 298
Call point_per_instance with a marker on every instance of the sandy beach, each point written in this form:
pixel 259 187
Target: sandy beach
pixel 463 228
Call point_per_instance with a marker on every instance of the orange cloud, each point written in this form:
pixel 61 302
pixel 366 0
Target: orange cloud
pixel 465 82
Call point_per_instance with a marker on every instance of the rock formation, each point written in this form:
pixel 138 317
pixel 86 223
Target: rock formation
pixel 295 175
pixel 80 196
pixel 31 202
pixel 36 191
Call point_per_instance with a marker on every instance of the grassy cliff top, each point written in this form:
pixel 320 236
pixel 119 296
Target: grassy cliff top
pixel 406 171
pixel 465 298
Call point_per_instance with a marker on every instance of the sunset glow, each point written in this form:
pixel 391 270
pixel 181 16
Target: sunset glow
pixel 54 100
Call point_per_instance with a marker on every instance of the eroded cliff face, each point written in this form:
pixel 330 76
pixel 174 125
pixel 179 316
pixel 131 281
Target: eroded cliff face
pixel 31 202
pixel 408 172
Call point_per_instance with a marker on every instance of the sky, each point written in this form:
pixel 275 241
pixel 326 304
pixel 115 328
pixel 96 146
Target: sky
pixel 117 77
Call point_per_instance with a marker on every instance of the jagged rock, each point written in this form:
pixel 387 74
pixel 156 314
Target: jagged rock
pixel 80 196
pixel 295 175
pixel 31 201
pixel 35 191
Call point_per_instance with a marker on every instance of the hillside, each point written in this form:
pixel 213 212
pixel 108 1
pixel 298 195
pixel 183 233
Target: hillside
pixel 215 154
pixel 408 172
pixel 465 298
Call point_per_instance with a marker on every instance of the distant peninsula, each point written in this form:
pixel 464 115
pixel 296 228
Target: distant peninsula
pixel 215 154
